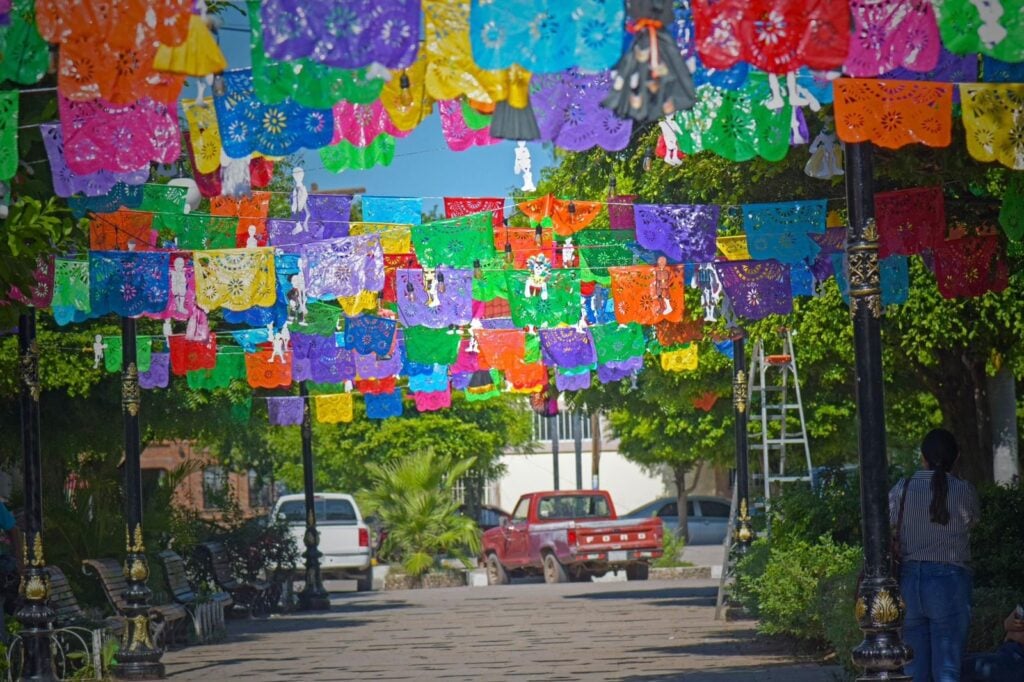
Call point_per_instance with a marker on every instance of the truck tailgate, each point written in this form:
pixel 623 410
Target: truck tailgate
pixel 615 535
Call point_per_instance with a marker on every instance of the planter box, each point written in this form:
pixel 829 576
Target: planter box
pixel 401 581
pixel 681 573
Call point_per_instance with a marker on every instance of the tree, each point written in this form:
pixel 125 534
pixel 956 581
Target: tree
pixel 658 425
pixel 937 352
pixel 344 452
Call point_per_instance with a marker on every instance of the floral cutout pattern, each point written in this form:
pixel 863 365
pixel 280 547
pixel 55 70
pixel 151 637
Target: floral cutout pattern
pixel 777 36
pixel 569 114
pixel 636 295
pixel 684 233
pixel 343 267
pixel 235 279
pixel 993 116
pixel 349 35
pixel 547 36
pixel 128 284
pixel 247 125
pixel 995 29
pixel 910 221
pixel 757 289
pixel 890 34
pixel 892 114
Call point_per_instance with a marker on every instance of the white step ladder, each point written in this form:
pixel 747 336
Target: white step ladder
pixel 774 383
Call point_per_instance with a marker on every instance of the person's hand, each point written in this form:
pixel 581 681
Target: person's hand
pixel 1013 624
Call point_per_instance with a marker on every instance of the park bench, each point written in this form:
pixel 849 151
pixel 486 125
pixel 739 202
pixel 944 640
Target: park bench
pixel 253 596
pixel 168 617
pixel 207 612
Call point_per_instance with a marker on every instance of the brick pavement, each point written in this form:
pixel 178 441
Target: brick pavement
pixel 632 632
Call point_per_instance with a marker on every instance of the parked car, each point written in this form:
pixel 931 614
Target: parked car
pixel 707 518
pixel 569 535
pixel 344 536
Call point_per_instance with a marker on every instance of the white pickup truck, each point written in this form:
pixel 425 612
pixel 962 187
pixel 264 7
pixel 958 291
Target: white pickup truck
pixel 344 537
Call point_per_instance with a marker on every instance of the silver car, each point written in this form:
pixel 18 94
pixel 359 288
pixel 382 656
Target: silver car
pixel 707 519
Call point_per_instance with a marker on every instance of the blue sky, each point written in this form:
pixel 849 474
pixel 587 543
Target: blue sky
pixel 423 165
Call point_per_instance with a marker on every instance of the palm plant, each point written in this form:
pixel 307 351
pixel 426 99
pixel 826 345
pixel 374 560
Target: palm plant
pixel 414 498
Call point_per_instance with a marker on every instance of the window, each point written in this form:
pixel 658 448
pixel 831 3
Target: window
pixel 542 426
pixel 714 509
pixel 689 509
pixel 259 491
pixel 522 511
pixel 215 487
pixel 670 509
pixel 328 512
pixel 572 507
pixel 336 511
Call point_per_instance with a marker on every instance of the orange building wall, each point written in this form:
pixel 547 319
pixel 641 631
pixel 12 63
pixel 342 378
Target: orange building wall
pixel 189 494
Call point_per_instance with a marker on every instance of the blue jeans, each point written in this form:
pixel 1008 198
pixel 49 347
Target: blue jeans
pixel 938 598
pixel 1005 664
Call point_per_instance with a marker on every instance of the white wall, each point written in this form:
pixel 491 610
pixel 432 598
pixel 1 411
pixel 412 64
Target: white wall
pixel 629 486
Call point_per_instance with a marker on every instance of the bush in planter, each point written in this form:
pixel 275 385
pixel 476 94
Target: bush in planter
pixel 794 584
pixel 414 499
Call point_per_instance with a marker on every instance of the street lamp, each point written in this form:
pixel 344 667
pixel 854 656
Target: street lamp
pixel 743 532
pixel 313 596
pixel 879 607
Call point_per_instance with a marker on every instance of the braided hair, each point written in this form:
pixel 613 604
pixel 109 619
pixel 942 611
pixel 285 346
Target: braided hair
pixel 940 450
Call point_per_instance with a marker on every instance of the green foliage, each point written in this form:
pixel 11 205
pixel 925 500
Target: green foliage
pixel 998 537
pixel 936 352
pixel 255 546
pixel 989 609
pixel 480 430
pixel 801 514
pixel 672 546
pixel 414 499
pixel 793 586
pixel 33 230
pixel 88 523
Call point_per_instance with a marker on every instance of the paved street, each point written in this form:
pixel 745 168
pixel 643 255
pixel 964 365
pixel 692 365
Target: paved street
pixel 657 630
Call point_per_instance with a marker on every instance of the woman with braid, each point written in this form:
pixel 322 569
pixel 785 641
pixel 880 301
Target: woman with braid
pixel 938 511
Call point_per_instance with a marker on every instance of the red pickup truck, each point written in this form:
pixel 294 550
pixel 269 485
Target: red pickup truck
pixel 569 535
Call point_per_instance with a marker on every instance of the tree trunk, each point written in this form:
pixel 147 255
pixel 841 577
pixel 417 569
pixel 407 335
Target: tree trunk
pixel 960 385
pixel 679 473
pixel 1002 396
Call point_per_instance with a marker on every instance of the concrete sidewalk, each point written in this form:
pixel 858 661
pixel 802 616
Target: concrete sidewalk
pixel 628 631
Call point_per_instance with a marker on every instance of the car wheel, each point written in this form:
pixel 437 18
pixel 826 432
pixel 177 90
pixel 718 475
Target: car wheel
pixel 554 571
pixel 364 583
pixel 496 573
pixel 637 571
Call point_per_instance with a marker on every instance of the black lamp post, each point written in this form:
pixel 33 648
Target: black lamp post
pixel 139 656
pixel 743 532
pixel 313 596
pixel 35 615
pixel 879 607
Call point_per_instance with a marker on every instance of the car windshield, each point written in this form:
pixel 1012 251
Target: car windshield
pixel 329 511
pixel 557 507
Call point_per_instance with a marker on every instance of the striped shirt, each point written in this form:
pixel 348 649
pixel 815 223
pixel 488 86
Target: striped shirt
pixel 922 540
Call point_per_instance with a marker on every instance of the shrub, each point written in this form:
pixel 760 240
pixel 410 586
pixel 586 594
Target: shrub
pixel 792 588
pixel 803 513
pixel 749 570
pixel 988 611
pixel 998 537
pixel 414 500
pixel 672 547
pixel 836 597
